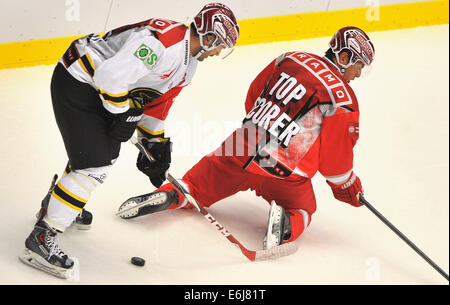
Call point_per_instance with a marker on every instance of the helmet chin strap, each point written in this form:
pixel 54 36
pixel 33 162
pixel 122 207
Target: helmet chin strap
pixel 203 49
pixel 199 53
pixel 342 67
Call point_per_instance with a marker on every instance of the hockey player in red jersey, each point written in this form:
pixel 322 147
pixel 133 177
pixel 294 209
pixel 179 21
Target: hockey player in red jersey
pixel 302 117
pixel 103 89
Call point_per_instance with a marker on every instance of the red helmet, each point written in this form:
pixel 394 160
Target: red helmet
pixel 217 19
pixel 355 41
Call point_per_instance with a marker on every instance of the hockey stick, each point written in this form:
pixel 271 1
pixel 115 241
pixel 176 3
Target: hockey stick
pixel 403 237
pixel 259 255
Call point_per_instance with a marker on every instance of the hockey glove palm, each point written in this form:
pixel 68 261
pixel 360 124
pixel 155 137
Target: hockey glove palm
pixel 161 152
pixel 348 191
pixel 124 124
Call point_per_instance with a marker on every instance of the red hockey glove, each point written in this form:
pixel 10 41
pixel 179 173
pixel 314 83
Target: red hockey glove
pixel 348 191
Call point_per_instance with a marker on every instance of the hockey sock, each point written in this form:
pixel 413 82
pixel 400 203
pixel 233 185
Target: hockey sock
pixel 299 221
pixel 71 194
pixel 182 203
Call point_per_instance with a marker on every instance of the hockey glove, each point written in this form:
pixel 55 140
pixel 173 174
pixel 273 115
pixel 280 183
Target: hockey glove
pixel 124 124
pixel 161 152
pixel 348 191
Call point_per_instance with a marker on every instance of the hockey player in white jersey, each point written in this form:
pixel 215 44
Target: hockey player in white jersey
pixel 103 89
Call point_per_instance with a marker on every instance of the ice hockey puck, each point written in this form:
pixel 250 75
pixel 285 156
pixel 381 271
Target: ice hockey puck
pixel 137 261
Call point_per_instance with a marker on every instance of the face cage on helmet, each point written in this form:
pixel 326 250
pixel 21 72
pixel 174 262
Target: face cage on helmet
pixel 353 60
pixel 216 43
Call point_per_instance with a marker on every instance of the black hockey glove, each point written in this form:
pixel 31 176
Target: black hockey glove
pixel 155 170
pixel 124 124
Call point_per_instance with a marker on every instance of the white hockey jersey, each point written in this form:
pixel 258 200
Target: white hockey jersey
pixel 148 62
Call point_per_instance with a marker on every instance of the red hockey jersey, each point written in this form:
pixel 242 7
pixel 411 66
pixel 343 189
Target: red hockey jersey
pixel 301 117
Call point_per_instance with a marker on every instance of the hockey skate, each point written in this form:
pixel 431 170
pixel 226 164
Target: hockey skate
pixel 147 203
pixel 42 251
pixel 83 220
pixel 278 227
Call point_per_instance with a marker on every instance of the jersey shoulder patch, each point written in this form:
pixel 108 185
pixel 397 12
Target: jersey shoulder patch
pixel 167 32
pixel 340 93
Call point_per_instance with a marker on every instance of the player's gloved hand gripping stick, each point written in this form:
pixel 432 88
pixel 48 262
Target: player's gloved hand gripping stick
pixel 275 252
pixel 403 237
pixel 155 170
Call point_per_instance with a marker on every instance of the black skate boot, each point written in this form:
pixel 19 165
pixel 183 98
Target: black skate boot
pixel 147 203
pixel 278 227
pixel 84 220
pixel 42 251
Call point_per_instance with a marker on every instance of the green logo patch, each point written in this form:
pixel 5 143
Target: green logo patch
pixel 146 54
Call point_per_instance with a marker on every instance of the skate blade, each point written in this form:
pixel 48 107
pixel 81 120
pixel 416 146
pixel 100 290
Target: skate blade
pixel 276 252
pixel 130 208
pixel 82 227
pixel 269 240
pixel 36 261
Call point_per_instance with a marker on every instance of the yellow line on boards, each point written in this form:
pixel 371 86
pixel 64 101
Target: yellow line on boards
pixel 265 30
pixel 321 24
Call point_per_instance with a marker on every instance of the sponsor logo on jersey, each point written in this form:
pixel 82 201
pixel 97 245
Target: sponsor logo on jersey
pixel 146 54
pixel 333 84
pixel 353 130
pixel 186 52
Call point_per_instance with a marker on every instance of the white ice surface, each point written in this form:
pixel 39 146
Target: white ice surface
pixel 402 158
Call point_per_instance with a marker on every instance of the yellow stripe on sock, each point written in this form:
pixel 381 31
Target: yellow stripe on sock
pixel 66 203
pixel 71 194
